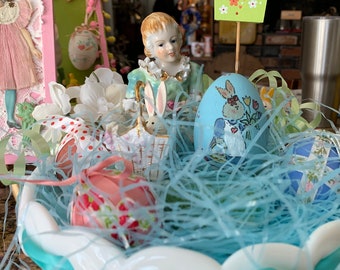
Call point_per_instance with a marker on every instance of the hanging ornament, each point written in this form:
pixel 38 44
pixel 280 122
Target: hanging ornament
pixel 88 41
pixel 83 48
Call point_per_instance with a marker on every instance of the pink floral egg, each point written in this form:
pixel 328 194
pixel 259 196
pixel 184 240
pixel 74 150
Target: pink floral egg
pixel 115 201
pixel 67 149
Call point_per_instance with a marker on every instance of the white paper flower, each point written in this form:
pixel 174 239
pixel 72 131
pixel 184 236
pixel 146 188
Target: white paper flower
pixel 115 93
pixel 60 103
pixel 101 94
pixel 105 76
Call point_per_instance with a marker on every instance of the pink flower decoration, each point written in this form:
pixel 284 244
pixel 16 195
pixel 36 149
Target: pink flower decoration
pixel 233 2
pixel 125 70
pixel 170 104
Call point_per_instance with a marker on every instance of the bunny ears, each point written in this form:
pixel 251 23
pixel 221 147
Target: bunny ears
pixel 155 107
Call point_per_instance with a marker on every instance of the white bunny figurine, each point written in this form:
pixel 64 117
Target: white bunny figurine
pixel 155 108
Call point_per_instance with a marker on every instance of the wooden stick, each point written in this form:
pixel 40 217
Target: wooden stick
pixel 238 41
pixel 15 190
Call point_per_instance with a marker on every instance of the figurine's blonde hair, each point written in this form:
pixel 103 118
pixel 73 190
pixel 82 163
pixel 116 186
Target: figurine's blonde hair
pixel 153 23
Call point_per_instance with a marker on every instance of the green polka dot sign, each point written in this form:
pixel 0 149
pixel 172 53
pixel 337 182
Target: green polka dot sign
pixel 240 10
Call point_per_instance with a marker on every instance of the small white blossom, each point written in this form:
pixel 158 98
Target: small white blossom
pixel 252 3
pixel 101 94
pixel 223 9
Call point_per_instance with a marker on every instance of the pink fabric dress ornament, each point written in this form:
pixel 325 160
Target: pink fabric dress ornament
pixel 17 66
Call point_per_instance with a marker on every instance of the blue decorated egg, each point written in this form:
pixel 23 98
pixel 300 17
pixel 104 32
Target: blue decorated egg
pixel 316 163
pixel 230 119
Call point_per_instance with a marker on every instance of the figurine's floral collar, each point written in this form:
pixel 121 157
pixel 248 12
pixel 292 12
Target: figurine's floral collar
pixel 153 69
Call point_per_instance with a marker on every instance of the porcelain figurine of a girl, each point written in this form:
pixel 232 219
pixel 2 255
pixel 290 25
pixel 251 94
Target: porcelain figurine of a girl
pixel 162 39
pixel 17 52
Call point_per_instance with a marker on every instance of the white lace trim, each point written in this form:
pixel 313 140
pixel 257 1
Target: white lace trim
pixel 153 69
pixel 9 14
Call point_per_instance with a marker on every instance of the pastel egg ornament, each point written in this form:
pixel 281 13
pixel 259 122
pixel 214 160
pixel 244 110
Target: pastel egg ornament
pixel 83 48
pixel 230 119
pixel 65 151
pixel 315 167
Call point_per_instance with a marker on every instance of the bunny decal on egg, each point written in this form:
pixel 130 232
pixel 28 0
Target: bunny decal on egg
pixel 228 129
pixel 155 108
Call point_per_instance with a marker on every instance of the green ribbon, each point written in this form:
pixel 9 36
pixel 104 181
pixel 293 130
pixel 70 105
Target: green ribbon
pixel 3 167
pixel 38 143
pixel 289 118
pixel 39 146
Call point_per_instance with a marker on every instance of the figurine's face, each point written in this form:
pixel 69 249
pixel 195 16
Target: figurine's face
pixel 166 45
